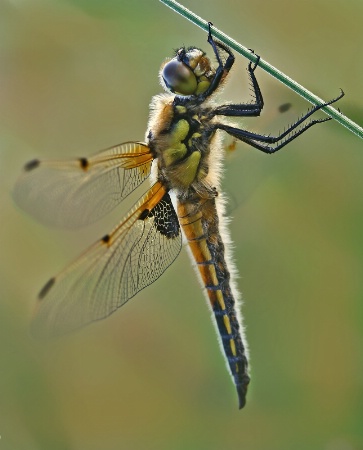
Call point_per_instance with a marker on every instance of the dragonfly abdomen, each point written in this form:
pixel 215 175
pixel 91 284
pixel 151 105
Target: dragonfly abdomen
pixel 200 225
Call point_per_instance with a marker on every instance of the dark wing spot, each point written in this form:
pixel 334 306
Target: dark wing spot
pixel 144 214
pixel 165 218
pixel 84 163
pixel 284 107
pixel 106 239
pixel 33 164
pixel 46 288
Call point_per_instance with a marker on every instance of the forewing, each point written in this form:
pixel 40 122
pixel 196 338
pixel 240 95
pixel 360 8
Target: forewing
pixel 114 269
pixel 75 193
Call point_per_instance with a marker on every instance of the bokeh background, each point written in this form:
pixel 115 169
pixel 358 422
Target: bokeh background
pixel 76 76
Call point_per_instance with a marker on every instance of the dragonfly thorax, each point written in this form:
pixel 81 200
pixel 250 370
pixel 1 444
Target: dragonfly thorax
pixel 180 136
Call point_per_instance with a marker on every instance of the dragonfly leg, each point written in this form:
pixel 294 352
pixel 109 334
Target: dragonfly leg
pixel 248 109
pixel 250 138
pixel 222 69
pixel 269 149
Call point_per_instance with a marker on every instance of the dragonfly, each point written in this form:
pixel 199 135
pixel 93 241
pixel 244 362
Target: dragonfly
pixel 183 152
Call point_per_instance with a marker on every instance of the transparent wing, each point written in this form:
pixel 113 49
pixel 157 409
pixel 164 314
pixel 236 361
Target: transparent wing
pixel 114 269
pixel 77 192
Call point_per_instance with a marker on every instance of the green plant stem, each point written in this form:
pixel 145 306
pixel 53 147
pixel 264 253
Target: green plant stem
pixel 287 81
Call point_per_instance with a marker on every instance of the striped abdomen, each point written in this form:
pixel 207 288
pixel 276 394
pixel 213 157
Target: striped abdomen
pixel 199 221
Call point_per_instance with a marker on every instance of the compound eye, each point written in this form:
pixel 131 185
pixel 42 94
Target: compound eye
pixel 179 78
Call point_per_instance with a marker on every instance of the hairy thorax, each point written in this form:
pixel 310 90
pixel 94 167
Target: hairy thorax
pixel 181 138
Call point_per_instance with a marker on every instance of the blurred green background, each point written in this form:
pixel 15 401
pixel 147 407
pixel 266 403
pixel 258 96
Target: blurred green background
pixel 76 76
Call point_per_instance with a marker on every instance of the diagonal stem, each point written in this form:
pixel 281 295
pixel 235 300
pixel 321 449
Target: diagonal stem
pixel 287 81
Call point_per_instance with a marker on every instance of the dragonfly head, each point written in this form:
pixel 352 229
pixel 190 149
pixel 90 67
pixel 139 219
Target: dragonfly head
pixel 188 73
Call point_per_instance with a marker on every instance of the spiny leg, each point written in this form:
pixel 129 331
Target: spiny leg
pixel 249 109
pixel 269 149
pixel 230 60
pixel 239 110
pixel 222 69
pixel 249 137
